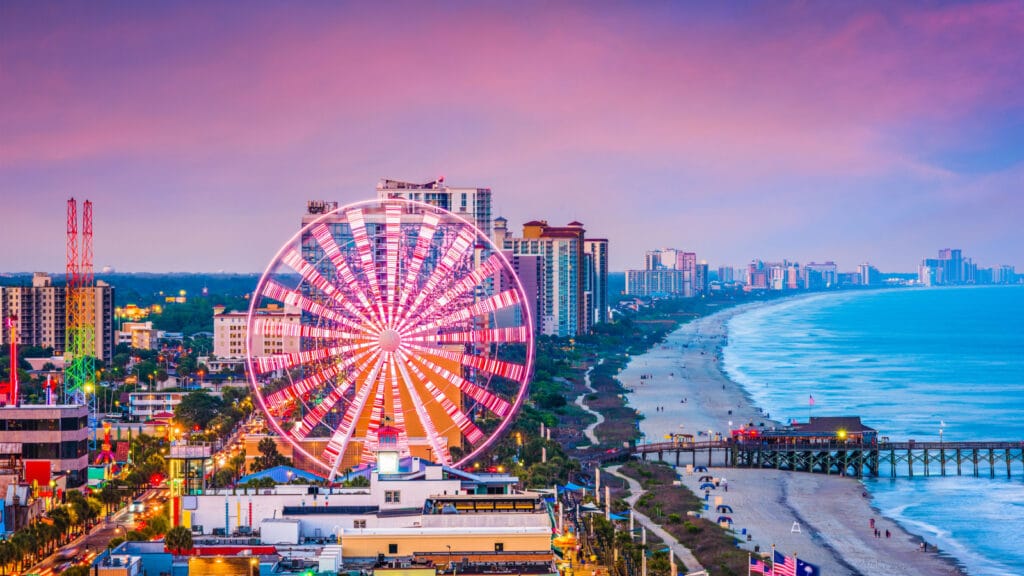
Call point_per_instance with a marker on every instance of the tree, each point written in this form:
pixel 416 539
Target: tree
pixel 197 409
pixel 158 525
pixel 178 540
pixel 76 571
pixel 269 456
pixel 135 536
pixel 110 496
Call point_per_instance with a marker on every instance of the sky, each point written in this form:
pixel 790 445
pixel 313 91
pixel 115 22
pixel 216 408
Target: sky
pixel 849 131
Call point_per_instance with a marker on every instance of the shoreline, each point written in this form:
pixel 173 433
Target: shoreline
pixel 680 387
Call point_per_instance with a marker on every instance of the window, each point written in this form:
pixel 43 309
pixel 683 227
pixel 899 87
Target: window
pixel 392 548
pixel 392 496
pixel 359 523
pixel 499 546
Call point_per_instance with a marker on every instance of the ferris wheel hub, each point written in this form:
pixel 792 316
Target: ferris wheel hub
pixel 390 340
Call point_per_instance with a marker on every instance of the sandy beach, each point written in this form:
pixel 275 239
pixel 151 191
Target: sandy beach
pixel 679 387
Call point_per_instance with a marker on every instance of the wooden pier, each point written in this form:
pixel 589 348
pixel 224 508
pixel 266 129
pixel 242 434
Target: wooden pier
pixel 844 458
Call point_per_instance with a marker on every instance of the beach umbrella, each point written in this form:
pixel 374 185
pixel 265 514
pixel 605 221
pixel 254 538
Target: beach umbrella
pixel 707 486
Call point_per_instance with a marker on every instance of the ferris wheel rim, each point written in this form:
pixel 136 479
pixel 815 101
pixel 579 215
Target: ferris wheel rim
pixel 527 317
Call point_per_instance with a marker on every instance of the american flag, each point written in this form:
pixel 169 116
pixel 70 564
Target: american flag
pixel 759 567
pixel 784 565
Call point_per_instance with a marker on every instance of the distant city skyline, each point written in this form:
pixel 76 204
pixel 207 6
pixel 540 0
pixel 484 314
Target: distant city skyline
pixel 864 132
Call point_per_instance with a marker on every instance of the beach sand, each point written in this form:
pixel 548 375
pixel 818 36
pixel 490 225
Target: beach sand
pixel 832 512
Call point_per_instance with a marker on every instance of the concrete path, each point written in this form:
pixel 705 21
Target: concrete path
pixel 589 431
pixel 635 492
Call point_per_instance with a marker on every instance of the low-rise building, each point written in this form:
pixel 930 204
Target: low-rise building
pixel 140 335
pixel 54 434
pixel 144 406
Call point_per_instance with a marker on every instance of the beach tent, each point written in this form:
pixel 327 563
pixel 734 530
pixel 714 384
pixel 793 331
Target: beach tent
pixel 572 487
pixel 701 469
pixel 724 508
pixel 706 479
pixel 707 486
pixel 618 518
pixel 724 519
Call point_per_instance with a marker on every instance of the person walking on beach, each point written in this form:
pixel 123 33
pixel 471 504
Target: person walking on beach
pixel 887 533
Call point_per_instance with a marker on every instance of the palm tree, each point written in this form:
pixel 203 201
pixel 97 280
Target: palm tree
pixel 6 556
pixel 19 547
pixel 178 540
pixel 61 520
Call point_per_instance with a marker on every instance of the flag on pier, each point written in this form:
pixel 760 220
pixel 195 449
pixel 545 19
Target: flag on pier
pixel 784 565
pixel 758 567
pixel 810 400
pixel 806 568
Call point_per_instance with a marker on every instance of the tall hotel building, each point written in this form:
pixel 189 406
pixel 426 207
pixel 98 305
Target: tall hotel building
pixel 571 274
pixel 473 204
pixel 40 309
pixel 668 272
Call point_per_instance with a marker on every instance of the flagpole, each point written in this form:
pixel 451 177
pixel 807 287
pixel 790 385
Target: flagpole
pixel 749 560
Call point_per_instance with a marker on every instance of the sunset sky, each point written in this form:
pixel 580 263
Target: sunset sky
pixel 851 131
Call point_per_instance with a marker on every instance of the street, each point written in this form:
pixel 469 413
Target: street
pixel 85 548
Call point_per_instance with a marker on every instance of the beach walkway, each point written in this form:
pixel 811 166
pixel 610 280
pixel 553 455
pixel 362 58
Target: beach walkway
pixel 589 431
pixel 635 492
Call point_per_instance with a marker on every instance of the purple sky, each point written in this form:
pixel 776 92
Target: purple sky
pixel 849 131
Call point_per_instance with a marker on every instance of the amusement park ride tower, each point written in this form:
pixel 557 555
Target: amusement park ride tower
pixel 80 306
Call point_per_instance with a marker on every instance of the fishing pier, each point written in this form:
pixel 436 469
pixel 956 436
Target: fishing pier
pixel 840 446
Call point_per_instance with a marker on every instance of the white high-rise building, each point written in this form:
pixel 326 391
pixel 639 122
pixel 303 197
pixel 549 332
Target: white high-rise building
pixel 473 204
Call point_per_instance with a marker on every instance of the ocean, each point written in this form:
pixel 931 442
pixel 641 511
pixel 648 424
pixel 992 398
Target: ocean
pixel 910 363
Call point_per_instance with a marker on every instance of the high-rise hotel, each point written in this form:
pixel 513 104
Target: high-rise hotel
pixel 570 272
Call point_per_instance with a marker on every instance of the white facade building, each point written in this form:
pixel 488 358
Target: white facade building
pixel 230 332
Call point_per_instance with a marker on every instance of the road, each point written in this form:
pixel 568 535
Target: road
pixel 86 547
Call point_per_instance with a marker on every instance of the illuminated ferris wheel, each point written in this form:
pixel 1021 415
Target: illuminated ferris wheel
pixel 391 317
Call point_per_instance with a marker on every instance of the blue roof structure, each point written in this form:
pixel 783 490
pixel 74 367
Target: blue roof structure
pixel 282 475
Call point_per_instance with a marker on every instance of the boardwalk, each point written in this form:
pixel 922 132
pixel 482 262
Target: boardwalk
pixel 635 492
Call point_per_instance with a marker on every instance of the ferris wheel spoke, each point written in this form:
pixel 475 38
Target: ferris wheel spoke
pixel 335 449
pixel 487 269
pixel 310 383
pixel 279 292
pixel 440 449
pixel 489 400
pixel 313 278
pixel 318 412
pixel 275 362
pixel 371 442
pixel 362 240
pixel 459 248
pixel 496 302
pixel 396 408
pixel 419 254
pixel 269 327
pixel 323 237
pixel 392 233
pixel 518 334
pixel 510 370
pixel 461 420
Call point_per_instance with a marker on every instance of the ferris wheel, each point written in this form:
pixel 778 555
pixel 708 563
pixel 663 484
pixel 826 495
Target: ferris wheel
pixel 389 318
